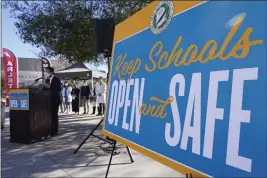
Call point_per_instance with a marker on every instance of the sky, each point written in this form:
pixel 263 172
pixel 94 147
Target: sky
pixel 11 40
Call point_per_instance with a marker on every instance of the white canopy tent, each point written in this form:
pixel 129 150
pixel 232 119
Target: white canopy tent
pixel 80 72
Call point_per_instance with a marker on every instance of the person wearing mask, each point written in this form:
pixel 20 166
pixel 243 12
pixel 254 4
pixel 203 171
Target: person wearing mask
pixel 75 99
pixel 54 85
pixel 62 108
pixel 93 98
pixel 3 115
pixel 85 92
pixel 68 98
pixel 100 90
pixel 64 93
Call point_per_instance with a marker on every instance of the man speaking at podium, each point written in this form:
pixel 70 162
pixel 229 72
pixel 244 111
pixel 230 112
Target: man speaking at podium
pixel 54 85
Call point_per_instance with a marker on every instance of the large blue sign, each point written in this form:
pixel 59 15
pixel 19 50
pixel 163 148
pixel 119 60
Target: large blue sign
pixel 191 88
pixel 19 99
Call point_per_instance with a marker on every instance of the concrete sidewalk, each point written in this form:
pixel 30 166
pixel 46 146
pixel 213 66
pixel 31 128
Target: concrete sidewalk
pixel 54 158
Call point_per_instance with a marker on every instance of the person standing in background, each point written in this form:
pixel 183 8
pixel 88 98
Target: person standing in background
pixel 100 90
pixel 75 99
pixel 68 98
pixel 64 92
pixel 3 113
pixel 62 108
pixel 54 85
pixel 85 92
pixel 93 98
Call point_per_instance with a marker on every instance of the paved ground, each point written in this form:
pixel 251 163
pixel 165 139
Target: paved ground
pixel 54 157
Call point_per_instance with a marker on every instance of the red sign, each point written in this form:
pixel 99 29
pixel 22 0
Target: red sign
pixel 10 63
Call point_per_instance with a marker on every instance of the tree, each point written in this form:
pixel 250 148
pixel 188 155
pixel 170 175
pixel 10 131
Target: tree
pixel 59 28
pixel 66 28
pixel 122 9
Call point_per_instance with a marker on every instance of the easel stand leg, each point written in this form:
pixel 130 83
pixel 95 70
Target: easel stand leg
pixel 130 154
pixel 112 152
pixel 108 140
pixel 89 135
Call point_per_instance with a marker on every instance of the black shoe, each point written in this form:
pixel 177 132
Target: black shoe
pixel 93 110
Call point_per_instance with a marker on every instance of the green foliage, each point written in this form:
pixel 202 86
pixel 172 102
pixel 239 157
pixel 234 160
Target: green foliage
pixel 66 28
pixel 122 9
pixel 59 28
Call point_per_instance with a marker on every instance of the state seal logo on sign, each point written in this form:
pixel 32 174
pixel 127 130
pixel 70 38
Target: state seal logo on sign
pixel 161 17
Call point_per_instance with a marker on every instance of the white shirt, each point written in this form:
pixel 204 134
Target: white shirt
pixel 69 97
pixel 100 89
pixel 51 78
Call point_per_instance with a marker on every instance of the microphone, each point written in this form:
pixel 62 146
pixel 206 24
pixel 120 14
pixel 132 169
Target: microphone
pixel 38 79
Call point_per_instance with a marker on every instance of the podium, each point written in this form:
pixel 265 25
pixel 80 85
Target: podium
pixel 30 115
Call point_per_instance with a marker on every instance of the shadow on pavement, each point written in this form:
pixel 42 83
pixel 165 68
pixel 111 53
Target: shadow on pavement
pixel 50 156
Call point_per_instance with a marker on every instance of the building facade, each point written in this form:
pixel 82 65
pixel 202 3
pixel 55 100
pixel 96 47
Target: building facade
pixel 31 69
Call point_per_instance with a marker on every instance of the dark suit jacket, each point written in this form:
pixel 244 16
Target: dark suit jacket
pixel 55 88
pixel 85 91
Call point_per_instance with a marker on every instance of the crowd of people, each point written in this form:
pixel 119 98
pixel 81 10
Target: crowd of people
pixel 68 98
pixel 72 97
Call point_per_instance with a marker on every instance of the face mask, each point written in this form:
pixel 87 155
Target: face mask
pixel 48 74
pixel 84 84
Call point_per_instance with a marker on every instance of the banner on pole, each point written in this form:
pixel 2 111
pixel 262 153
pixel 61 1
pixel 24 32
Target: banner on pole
pixel 45 63
pixel 188 86
pixel 10 63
